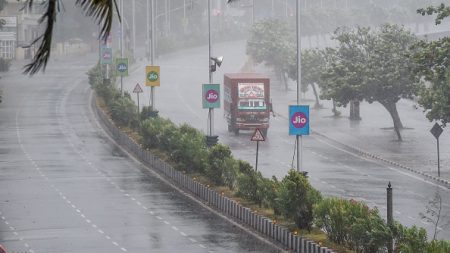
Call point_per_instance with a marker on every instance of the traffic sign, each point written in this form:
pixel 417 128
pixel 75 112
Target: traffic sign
pixel 106 55
pixel 152 77
pixel 258 136
pixel 137 89
pixel 122 66
pixel 211 96
pixel 436 130
pixel 299 120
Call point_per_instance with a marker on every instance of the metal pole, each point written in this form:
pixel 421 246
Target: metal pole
pixel 257 151
pixel 152 58
pixel 211 110
pixel 253 12
pixel 299 78
pixel 147 23
pixel 390 217
pixel 133 7
pixel 121 41
pixel 439 163
pixel 138 109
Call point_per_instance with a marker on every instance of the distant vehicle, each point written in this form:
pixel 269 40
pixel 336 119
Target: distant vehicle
pixel 247 103
pixel 2 249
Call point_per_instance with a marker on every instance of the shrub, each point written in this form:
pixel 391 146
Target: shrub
pixel 218 161
pixel 124 111
pixel 410 240
pixel 296 198
pixel 438 247
pixel 152 132
pixel 148 112
pixel 191 151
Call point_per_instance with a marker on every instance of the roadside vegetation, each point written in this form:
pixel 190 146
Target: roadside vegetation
pixel 349 226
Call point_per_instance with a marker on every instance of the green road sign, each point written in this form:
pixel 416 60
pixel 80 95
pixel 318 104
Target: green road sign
pixel 211 96
pixel 122 66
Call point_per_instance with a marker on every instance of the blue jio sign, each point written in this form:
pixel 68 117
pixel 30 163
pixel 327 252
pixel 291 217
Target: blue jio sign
pixel 299 120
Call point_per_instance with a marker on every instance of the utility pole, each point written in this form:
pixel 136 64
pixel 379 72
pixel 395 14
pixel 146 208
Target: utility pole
pixel 152 47
pixel 210 110
pixel 133 10
pixel 299 79
pixel 147 24
pixel 121 41
pixel 390 217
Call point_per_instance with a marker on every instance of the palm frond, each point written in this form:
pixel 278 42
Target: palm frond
pixel 102 11
pixel 42 56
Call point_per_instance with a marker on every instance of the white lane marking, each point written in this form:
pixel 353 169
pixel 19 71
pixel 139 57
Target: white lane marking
pixel 183 234
pixel 166 222
pixel 174 228
pixel 74 207
pixel 26 245
pixel 11 228
pixel 107 237
pixel 123 249
pixel 115 243
pixel 139 203
pixel 202 246
pixel 78 211
pixel 15 233
pixel 193 240
pixel 7 223
pixel 133 199
pixel 94 226
pixel 145 208
pixel 150 212
pixel 100 231
pixel 82 215
pixel 88 221
pixel 159 218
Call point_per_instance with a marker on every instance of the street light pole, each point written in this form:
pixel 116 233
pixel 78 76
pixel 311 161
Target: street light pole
pixel 133 10
pixel 152 47
pixel 121 41
pixel 299 79
pixel 147 23
pixel 210 110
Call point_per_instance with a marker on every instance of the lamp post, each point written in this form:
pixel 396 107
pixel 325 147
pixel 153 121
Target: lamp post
pixel 299 79
pixel 121 41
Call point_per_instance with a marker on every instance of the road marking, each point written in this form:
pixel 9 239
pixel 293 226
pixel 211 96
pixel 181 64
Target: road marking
pixel 7 223
pixel 94 226
pixel 159 218
pixel 166 222
pixel 88 221
pixel 193 240
pixel 183 234
pixel 100 231
pixel 115 243
pixel 174 228
pixel 123 249
pixel 107 237
pixel 202 246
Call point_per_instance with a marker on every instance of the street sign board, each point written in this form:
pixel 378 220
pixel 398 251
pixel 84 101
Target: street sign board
pixel 436 130
pixel 299 120
pixel 258 136
pixel 152 77
pixel 137 89
pixel 211 96
pixel 122 66
pixel 106 55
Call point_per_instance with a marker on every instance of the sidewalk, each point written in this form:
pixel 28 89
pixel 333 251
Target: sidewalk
pixel 373 136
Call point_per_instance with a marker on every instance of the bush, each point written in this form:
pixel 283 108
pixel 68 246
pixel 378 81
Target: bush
pixel 296 198
pixel 438 247
pixel 152 132
pixel 124 111
pixel 191 152
pixel 218 161
pixel 148 112
pixel 410 240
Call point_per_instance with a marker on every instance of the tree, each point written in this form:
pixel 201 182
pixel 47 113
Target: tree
pixel 434 214
pixel 100 10
pixel 271 42
pixel 434 66
pixel 372 65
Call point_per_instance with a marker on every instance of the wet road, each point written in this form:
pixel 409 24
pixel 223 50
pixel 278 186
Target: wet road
pixel 65 187
pixel 333 170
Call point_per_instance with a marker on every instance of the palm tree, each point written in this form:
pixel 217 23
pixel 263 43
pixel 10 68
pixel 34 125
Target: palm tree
pixel 100 10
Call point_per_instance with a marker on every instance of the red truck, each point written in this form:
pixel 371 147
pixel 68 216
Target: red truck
pixel 247 102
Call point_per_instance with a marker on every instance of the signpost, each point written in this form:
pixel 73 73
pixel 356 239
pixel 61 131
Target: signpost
pixel 436 131
pixel 122 66
pixel 211 96
pixel 137 89
pixel 210 100
pixel 106 55
pixel 299 126
pixel 257 136
pixel 152 79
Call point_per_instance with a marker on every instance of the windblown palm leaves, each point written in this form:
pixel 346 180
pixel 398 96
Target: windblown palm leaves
pixel 100 10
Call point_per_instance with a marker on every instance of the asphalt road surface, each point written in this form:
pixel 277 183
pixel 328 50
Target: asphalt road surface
pixel 65 187
pixel 333 170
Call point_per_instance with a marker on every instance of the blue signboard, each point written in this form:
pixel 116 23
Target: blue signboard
pixel 299 120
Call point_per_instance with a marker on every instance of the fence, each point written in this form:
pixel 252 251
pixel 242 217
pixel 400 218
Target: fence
pixel 225 205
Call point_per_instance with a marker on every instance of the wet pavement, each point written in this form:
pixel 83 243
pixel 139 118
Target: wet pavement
pixel 65 187
pixel 333 169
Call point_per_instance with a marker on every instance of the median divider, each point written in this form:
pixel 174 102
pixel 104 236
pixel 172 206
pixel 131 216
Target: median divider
pixel 230 208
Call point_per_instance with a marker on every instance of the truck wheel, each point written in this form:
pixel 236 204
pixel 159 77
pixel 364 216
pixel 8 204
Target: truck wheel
pixel 236 131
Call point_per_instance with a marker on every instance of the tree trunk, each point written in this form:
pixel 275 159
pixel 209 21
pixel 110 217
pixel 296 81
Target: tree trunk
pixel 392 109
pixel 317 104
pixel 284 80
pixel 354 110
pixel 335 111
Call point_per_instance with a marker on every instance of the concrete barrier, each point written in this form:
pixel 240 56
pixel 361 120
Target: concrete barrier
pixel 229 207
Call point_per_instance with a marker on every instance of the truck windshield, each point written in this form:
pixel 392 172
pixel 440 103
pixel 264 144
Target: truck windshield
pixel 252 104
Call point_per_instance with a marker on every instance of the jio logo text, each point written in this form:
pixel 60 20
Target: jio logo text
pixel 212 96
pixel 299 120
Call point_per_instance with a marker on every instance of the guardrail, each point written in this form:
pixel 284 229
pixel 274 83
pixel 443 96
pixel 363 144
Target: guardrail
pixel 224 205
